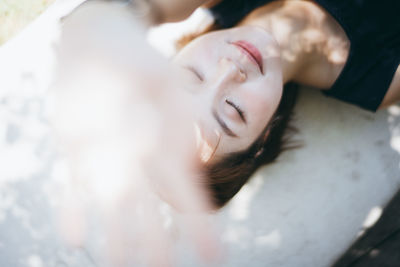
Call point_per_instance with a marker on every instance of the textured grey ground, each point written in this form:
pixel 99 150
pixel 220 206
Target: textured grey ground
pixel 380 245
pixel 305 210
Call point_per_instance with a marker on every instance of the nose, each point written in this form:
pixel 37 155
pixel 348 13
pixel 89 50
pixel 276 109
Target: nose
pixel 228 72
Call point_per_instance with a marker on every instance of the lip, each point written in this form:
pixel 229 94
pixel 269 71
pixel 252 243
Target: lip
pixel 251 52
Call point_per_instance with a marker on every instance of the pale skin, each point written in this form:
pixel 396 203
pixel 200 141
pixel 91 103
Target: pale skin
pixel 258 93
pixel 231 96
pixel 320 63
pixel 177 10
pixel 312 52
pixel 101 82
pixel 322 45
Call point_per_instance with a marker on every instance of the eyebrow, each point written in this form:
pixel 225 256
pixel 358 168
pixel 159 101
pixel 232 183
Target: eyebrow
pixel 223 125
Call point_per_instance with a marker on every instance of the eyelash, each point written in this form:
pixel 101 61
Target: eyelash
pixel 238 109
pixel 195 72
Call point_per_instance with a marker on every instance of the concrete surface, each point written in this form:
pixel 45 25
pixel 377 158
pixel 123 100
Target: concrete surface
pixel 380 245
pixel 305 210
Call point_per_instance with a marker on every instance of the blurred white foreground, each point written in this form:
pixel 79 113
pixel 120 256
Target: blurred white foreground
pixel 303 211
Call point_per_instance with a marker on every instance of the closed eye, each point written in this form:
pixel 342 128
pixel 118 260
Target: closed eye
pixel 195 72
pixel 238 109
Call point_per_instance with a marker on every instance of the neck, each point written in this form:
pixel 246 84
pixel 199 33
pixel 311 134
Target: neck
pixel 278 19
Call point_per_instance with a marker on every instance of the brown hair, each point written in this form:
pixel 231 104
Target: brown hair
pixel 226 177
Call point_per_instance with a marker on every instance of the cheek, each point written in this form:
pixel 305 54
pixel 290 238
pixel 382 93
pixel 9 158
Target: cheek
pixel 260 107
pixel 263 98
pixel 260 115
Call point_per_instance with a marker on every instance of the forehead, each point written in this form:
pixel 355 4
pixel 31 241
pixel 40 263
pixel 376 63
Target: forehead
pixel 206 43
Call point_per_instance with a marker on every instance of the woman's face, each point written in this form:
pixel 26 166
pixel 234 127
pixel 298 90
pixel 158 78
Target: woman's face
pixel 234 80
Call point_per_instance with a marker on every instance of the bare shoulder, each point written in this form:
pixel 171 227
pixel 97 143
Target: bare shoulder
pixel 393 94
pixel 177 10
pixel 326 49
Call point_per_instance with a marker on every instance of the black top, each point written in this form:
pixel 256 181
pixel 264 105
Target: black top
pixel 373 29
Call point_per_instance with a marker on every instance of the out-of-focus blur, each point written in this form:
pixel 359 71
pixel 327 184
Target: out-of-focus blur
pixel 303 211
pixel 126 131
pixel 15 15
pixel 124 137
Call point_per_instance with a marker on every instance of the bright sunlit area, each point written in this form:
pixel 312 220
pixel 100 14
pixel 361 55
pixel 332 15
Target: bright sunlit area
pixel 71 163
pixel 15 15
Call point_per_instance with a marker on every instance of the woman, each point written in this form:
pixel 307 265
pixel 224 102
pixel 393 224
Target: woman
pixel 235 77
pixel 350 50
pixel 241 108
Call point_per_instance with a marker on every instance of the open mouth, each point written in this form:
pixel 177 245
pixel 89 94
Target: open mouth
pixel 251 52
